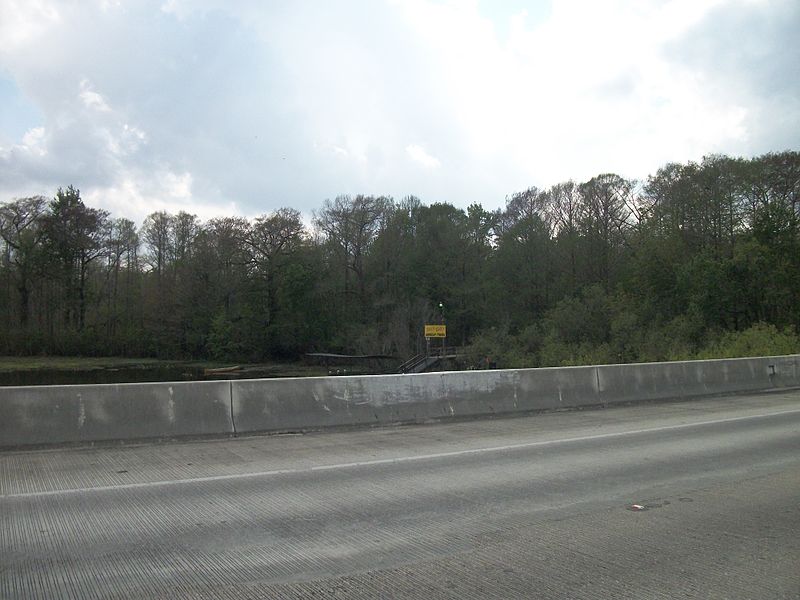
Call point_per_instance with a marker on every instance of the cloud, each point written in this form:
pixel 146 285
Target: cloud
pixel 419 155
pixel 92 99
pixel 251 106
pixel 33 142
pixel 25 20
pixel 759 72
pixel 135 196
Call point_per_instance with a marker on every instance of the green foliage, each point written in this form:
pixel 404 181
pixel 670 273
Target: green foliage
pixel 494 346
pixel 585 319
pixel 700 260
pixel 560 354
pixel 761 339
pixel 225 341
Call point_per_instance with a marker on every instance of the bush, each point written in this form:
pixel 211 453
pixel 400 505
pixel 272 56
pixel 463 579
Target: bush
pixel 678 339
pixel 224 342
pixel 556 353
pixel 762 339
pixel 496 346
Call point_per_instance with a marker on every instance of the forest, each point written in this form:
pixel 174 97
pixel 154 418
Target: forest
pixel 697 260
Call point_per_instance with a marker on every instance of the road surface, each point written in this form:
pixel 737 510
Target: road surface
pixel 537 506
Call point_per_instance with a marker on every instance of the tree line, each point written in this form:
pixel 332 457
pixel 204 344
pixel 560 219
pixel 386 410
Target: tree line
pixel 699 259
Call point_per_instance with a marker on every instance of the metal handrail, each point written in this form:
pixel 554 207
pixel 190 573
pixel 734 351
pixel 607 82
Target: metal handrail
pixel 436 353
pixel 411 363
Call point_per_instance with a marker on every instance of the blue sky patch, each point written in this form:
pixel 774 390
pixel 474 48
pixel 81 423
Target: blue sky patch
pixel 18 114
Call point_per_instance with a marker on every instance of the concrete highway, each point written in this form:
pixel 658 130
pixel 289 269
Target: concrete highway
pixel 538 506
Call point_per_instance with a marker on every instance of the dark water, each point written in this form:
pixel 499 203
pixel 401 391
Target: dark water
pixel 163 373
pixel 120 375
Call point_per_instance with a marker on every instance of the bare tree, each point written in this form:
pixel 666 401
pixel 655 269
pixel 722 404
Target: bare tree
pixel 350 225
pixel 157 235
pixel 270 238
pixel 605 217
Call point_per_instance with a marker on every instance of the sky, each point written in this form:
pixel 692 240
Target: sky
pixel 223 107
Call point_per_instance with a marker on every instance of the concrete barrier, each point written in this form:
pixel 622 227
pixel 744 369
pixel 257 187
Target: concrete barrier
pixel 313 403
pixel 688 379
pixel 309 403
pixel 86 413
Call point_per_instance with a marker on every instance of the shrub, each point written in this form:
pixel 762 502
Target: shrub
pixel 762 339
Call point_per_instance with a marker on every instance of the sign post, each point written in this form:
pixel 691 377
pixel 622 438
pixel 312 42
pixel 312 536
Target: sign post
pixel 435 331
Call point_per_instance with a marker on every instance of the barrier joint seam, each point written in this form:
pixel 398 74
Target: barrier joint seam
pixel 230 396
pixel 599 391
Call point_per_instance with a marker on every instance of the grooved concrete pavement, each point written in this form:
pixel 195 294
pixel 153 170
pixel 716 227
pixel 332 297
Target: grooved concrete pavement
pixel 525 507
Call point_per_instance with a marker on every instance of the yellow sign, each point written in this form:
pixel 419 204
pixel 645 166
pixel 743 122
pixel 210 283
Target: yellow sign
pixel 437 331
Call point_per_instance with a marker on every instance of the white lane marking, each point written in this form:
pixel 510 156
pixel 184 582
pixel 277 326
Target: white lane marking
pixel 388 461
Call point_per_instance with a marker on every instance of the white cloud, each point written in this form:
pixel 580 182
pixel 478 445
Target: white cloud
pixel 175 8
pixel 24 21
pixel 32 147
pixel 419 155
pixel 106 5
pixel 34 141
pixel 132 138
pixel 137 194
pixel 92 99
pixel 205 102
pixel 178 186
pixel 589 90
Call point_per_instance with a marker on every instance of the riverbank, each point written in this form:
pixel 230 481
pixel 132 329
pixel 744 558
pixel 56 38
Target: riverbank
pixel 67 370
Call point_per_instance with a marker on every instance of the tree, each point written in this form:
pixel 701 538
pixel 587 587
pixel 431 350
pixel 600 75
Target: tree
pixel 271 239
pixel 218 289
pixel 522 267
pixel 185 229
pixel 523 206
pixel 75 236
pixel 157 235
pixel 20 229
pixel 564 207
pixel 396 284
pixel 349 226
pixel 607 216
pixel 123 271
